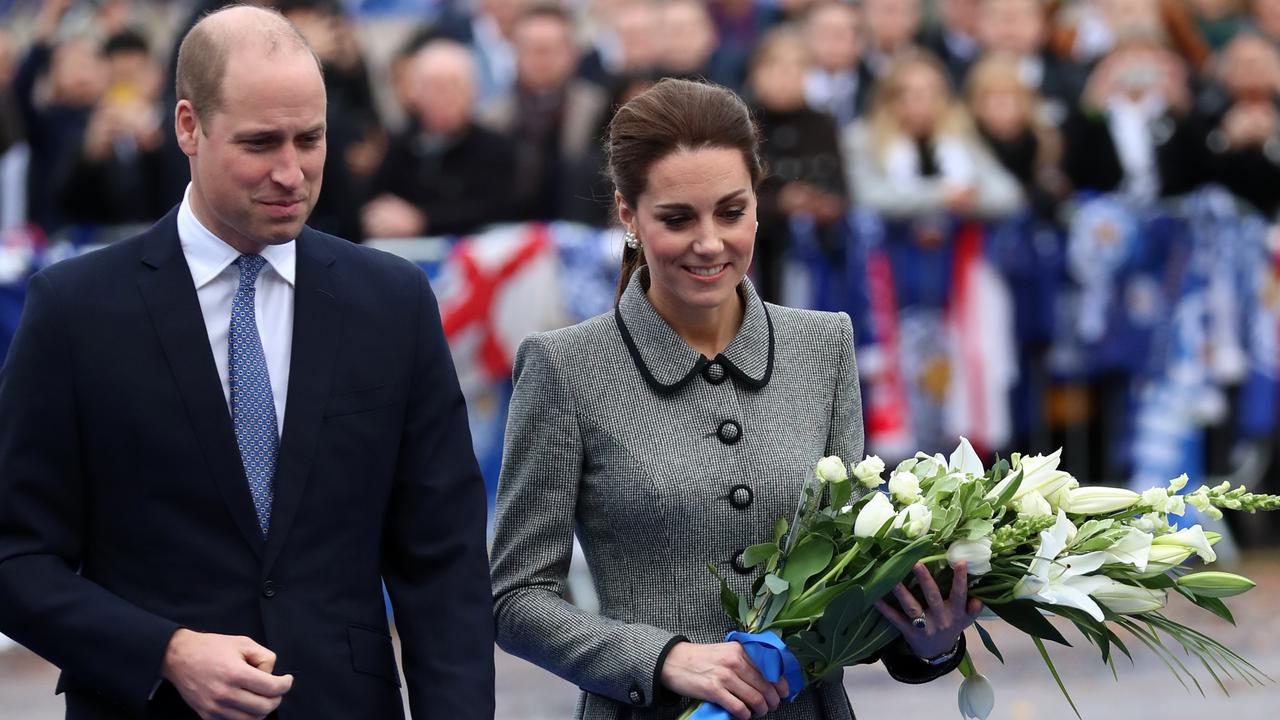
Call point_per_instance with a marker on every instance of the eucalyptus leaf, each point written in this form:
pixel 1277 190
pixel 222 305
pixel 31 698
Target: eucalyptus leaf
pixel 757 554
pixel 779 530
pixel 776 585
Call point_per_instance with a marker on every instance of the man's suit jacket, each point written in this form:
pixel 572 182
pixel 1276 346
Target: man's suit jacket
pixel 125 513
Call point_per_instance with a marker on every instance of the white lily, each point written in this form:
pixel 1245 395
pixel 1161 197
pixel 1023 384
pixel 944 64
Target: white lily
pixel 1040 474
pixel 1100 500
pixel 1033 504
pixel 965 460
pixel 1164 558
pixel 1125 599
pixel 873 516
pixel 1192 538
pixel 977 553
pixel 977 697
pixel 1132 549
pixel 1062 580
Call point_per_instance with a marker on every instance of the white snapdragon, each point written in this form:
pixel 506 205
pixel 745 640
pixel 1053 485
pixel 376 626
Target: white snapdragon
pixel 1157 498
pixel 905 488
pixel 1176 484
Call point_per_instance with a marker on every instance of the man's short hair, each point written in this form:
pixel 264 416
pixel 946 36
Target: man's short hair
pixel 125 41
pixel 205 50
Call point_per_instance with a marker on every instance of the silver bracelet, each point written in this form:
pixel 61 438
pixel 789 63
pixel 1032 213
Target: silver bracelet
pixel 944 658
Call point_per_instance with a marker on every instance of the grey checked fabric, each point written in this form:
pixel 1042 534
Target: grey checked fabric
pixel 253 408
pixel 629 451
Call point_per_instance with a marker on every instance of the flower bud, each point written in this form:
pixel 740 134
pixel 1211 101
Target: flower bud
pixel 976 697
pixel 1215 584
pixel 977 553
pixel 830 469
pixel 1033 504
pixel 1099 500
pixel 1126 599
pixel 1178 483
pixel 914 520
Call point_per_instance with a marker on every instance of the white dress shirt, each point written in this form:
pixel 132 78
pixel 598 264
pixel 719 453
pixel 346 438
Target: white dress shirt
pixel 216 280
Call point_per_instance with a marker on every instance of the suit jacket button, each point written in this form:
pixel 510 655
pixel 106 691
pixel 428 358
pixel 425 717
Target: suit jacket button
pixel 741 496
pixel 268 589
pixel 714 373
pixel 738 566
pixel 729 432
pixel 636 696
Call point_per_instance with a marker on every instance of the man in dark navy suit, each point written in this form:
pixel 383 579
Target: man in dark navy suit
pixel 220 438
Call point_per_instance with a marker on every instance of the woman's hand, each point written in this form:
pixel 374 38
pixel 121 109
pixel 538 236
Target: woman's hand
pixel 945 620
pixel 723 674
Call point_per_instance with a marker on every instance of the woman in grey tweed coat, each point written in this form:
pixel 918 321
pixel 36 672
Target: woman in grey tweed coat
pixel 672 433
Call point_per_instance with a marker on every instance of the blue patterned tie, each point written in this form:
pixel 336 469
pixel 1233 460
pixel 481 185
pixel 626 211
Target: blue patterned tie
pixel 253 408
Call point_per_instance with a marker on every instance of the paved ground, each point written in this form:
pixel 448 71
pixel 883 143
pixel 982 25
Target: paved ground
pixel 1024 689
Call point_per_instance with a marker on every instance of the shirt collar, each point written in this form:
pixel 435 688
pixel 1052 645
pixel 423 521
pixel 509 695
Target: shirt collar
pixel 667 362
pixel 208 255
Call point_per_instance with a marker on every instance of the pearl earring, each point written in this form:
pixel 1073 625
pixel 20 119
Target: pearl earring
pixel 632 241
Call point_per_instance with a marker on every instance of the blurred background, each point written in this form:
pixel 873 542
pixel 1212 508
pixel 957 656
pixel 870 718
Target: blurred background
pixel 1053 222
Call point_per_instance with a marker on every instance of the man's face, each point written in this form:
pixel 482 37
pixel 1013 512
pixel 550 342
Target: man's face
pixel 443 92
pixel 256 163
pixel 835 36
pixel 545 53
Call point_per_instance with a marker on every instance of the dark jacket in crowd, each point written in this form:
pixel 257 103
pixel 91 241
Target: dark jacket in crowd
pixel 799 145
pixel 130 186
pixel 460 185
pixel 1251 173
pixel 1092 163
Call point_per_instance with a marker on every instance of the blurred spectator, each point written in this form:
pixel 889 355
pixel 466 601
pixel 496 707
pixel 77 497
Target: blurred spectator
pixel 1004 109
pixel 445 174
pixel 691 49
pixel 892 26
pixel 627 44
pixel 1217 21
pixel 11 131
pixel 838 83
pixel 1091 27
pixel 1132 133
pixel 55 119
pixel 488 30
pixel 350 119
pixel 118 175
pixel 917 155
pixel 806 186
pixel 741 23
pixel 1265 18
pixel 954 38
pixel 1243 141
pixel 1018 28
pixel 550 116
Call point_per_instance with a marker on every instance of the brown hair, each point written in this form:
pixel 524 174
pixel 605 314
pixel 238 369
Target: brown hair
pixel 205 49
pixel 671 116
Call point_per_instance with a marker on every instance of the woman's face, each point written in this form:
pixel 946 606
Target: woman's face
pixel 919 100
pixel 778 79
pixel 1001 110
pixel 696 220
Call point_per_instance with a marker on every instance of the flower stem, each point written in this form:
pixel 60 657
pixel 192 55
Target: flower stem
pixel 831 574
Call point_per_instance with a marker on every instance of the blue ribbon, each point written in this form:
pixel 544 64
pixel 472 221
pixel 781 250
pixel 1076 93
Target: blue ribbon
pixel 771 657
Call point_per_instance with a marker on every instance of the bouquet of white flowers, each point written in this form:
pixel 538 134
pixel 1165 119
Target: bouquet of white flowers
pixel 1036 543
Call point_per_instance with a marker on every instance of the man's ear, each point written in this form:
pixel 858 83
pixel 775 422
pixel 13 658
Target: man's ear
pixel 187 126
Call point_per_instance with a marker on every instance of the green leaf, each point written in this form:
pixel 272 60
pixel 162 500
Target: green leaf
pixel 1157 582
pixel 892 571
pixel 776 585
pixel 814 604
pixel 757 554
pixel 1024 615
pixel 809 557
pixel 988 642
pixel 1215 606
pixel 779 530
pixel 1044 653
pixel 1010 490
pixel 850 629
pixel 728 599
pixel 840 492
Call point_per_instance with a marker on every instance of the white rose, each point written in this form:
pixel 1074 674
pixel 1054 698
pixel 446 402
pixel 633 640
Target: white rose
pixel 914 520
pixel 830 469
pixel 868 472
pixel 873 516
pixel 905 488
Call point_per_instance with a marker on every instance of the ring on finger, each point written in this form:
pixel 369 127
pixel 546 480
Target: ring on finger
pixel 919 623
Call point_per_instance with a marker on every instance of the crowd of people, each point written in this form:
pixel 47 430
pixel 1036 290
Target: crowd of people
pixel 496 110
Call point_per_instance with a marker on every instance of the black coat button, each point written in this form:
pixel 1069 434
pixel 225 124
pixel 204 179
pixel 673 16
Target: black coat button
pixel 729 432
pixel 741 496
pixel 268 589
pixel 738 565
pixel 714 373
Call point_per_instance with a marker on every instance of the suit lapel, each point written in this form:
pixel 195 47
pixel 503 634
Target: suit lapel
pixel 170 297
pixel 315 344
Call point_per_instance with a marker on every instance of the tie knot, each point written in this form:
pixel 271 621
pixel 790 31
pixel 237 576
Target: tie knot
pixel 250 266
